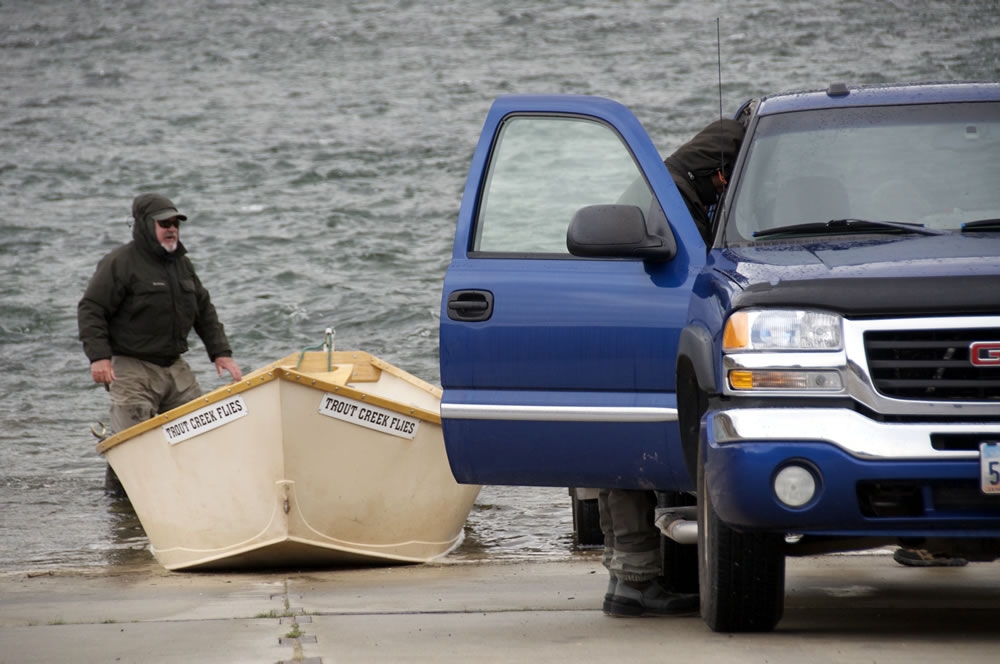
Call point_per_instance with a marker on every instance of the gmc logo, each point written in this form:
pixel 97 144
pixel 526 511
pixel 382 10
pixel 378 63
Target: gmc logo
pixel 985 353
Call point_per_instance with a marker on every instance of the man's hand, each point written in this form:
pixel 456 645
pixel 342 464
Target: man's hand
pixel 227 364
pixel 101 372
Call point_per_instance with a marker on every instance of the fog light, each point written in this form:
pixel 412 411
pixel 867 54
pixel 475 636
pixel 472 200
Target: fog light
pixel 794 486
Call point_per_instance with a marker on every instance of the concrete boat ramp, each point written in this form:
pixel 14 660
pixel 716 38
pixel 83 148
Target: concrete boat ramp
pixel 838 609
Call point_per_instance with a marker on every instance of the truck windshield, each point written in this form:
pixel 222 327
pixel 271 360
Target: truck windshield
pixel 936 165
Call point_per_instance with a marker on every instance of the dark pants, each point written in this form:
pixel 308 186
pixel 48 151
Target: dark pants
pixel 631 540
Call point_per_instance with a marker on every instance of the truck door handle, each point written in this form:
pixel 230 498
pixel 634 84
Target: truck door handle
pixel 470 305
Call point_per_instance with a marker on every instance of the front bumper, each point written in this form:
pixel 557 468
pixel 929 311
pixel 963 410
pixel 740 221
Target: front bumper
pixel 873 478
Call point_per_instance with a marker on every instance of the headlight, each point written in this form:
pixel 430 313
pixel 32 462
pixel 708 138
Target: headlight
pixel 787 351
pixel 783 329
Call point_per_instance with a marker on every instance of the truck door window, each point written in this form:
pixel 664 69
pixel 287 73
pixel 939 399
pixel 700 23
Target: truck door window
pixel 544 169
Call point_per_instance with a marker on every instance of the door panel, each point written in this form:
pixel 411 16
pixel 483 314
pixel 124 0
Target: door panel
pixel 569 379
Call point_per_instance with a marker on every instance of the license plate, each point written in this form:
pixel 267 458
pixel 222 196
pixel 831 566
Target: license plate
pixel 989 466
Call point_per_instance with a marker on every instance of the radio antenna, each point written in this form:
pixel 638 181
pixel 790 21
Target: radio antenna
pixel 722 147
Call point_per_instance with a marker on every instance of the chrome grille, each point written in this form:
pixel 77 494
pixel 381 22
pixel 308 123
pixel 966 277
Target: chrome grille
pixel 931 364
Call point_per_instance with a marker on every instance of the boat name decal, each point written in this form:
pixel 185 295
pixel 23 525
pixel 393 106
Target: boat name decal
pixel 205 419
pixel 367 415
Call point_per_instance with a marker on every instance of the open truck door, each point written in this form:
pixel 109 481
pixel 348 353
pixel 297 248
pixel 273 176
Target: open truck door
pixel 571 273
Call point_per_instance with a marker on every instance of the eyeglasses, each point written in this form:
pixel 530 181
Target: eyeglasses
pixel 173 222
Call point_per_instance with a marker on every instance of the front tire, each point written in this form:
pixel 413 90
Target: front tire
pixel 742 574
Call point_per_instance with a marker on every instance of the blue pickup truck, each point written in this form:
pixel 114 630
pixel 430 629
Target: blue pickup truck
pixel 824 375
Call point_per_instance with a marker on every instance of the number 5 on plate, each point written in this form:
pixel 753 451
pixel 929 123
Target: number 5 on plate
pixel 989 464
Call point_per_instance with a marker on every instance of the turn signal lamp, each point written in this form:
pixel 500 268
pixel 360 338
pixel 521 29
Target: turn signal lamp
pixel 736 335
pixel 771 379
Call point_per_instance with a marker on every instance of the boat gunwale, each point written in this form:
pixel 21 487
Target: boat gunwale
pixel 279 370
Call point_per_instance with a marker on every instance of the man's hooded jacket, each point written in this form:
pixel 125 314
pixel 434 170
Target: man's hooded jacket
pixel 714 148
pixel 143 301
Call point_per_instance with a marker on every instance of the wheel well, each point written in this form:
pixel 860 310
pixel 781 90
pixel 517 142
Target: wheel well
pixel 691 405
pixel 695 381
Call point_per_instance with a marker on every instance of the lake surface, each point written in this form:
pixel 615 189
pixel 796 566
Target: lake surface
pixel 320 151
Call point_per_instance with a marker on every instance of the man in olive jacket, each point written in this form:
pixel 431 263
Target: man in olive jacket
pixel 137 312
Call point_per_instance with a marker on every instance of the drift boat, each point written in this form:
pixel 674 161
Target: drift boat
pixel 323 458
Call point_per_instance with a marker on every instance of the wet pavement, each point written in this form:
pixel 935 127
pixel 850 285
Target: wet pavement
pixel 838 609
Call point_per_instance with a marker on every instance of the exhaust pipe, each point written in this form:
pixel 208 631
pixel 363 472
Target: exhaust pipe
pixel 678 523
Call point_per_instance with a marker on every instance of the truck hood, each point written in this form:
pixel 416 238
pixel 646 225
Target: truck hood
pixel 894 275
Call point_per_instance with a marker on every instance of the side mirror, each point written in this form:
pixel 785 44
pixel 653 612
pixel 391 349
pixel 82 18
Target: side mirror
pixel 616 231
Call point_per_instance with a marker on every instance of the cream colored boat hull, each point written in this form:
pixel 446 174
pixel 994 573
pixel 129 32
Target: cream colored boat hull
pixel 281 480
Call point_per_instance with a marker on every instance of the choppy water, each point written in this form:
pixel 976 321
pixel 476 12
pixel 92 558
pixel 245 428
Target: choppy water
pixel 320 151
